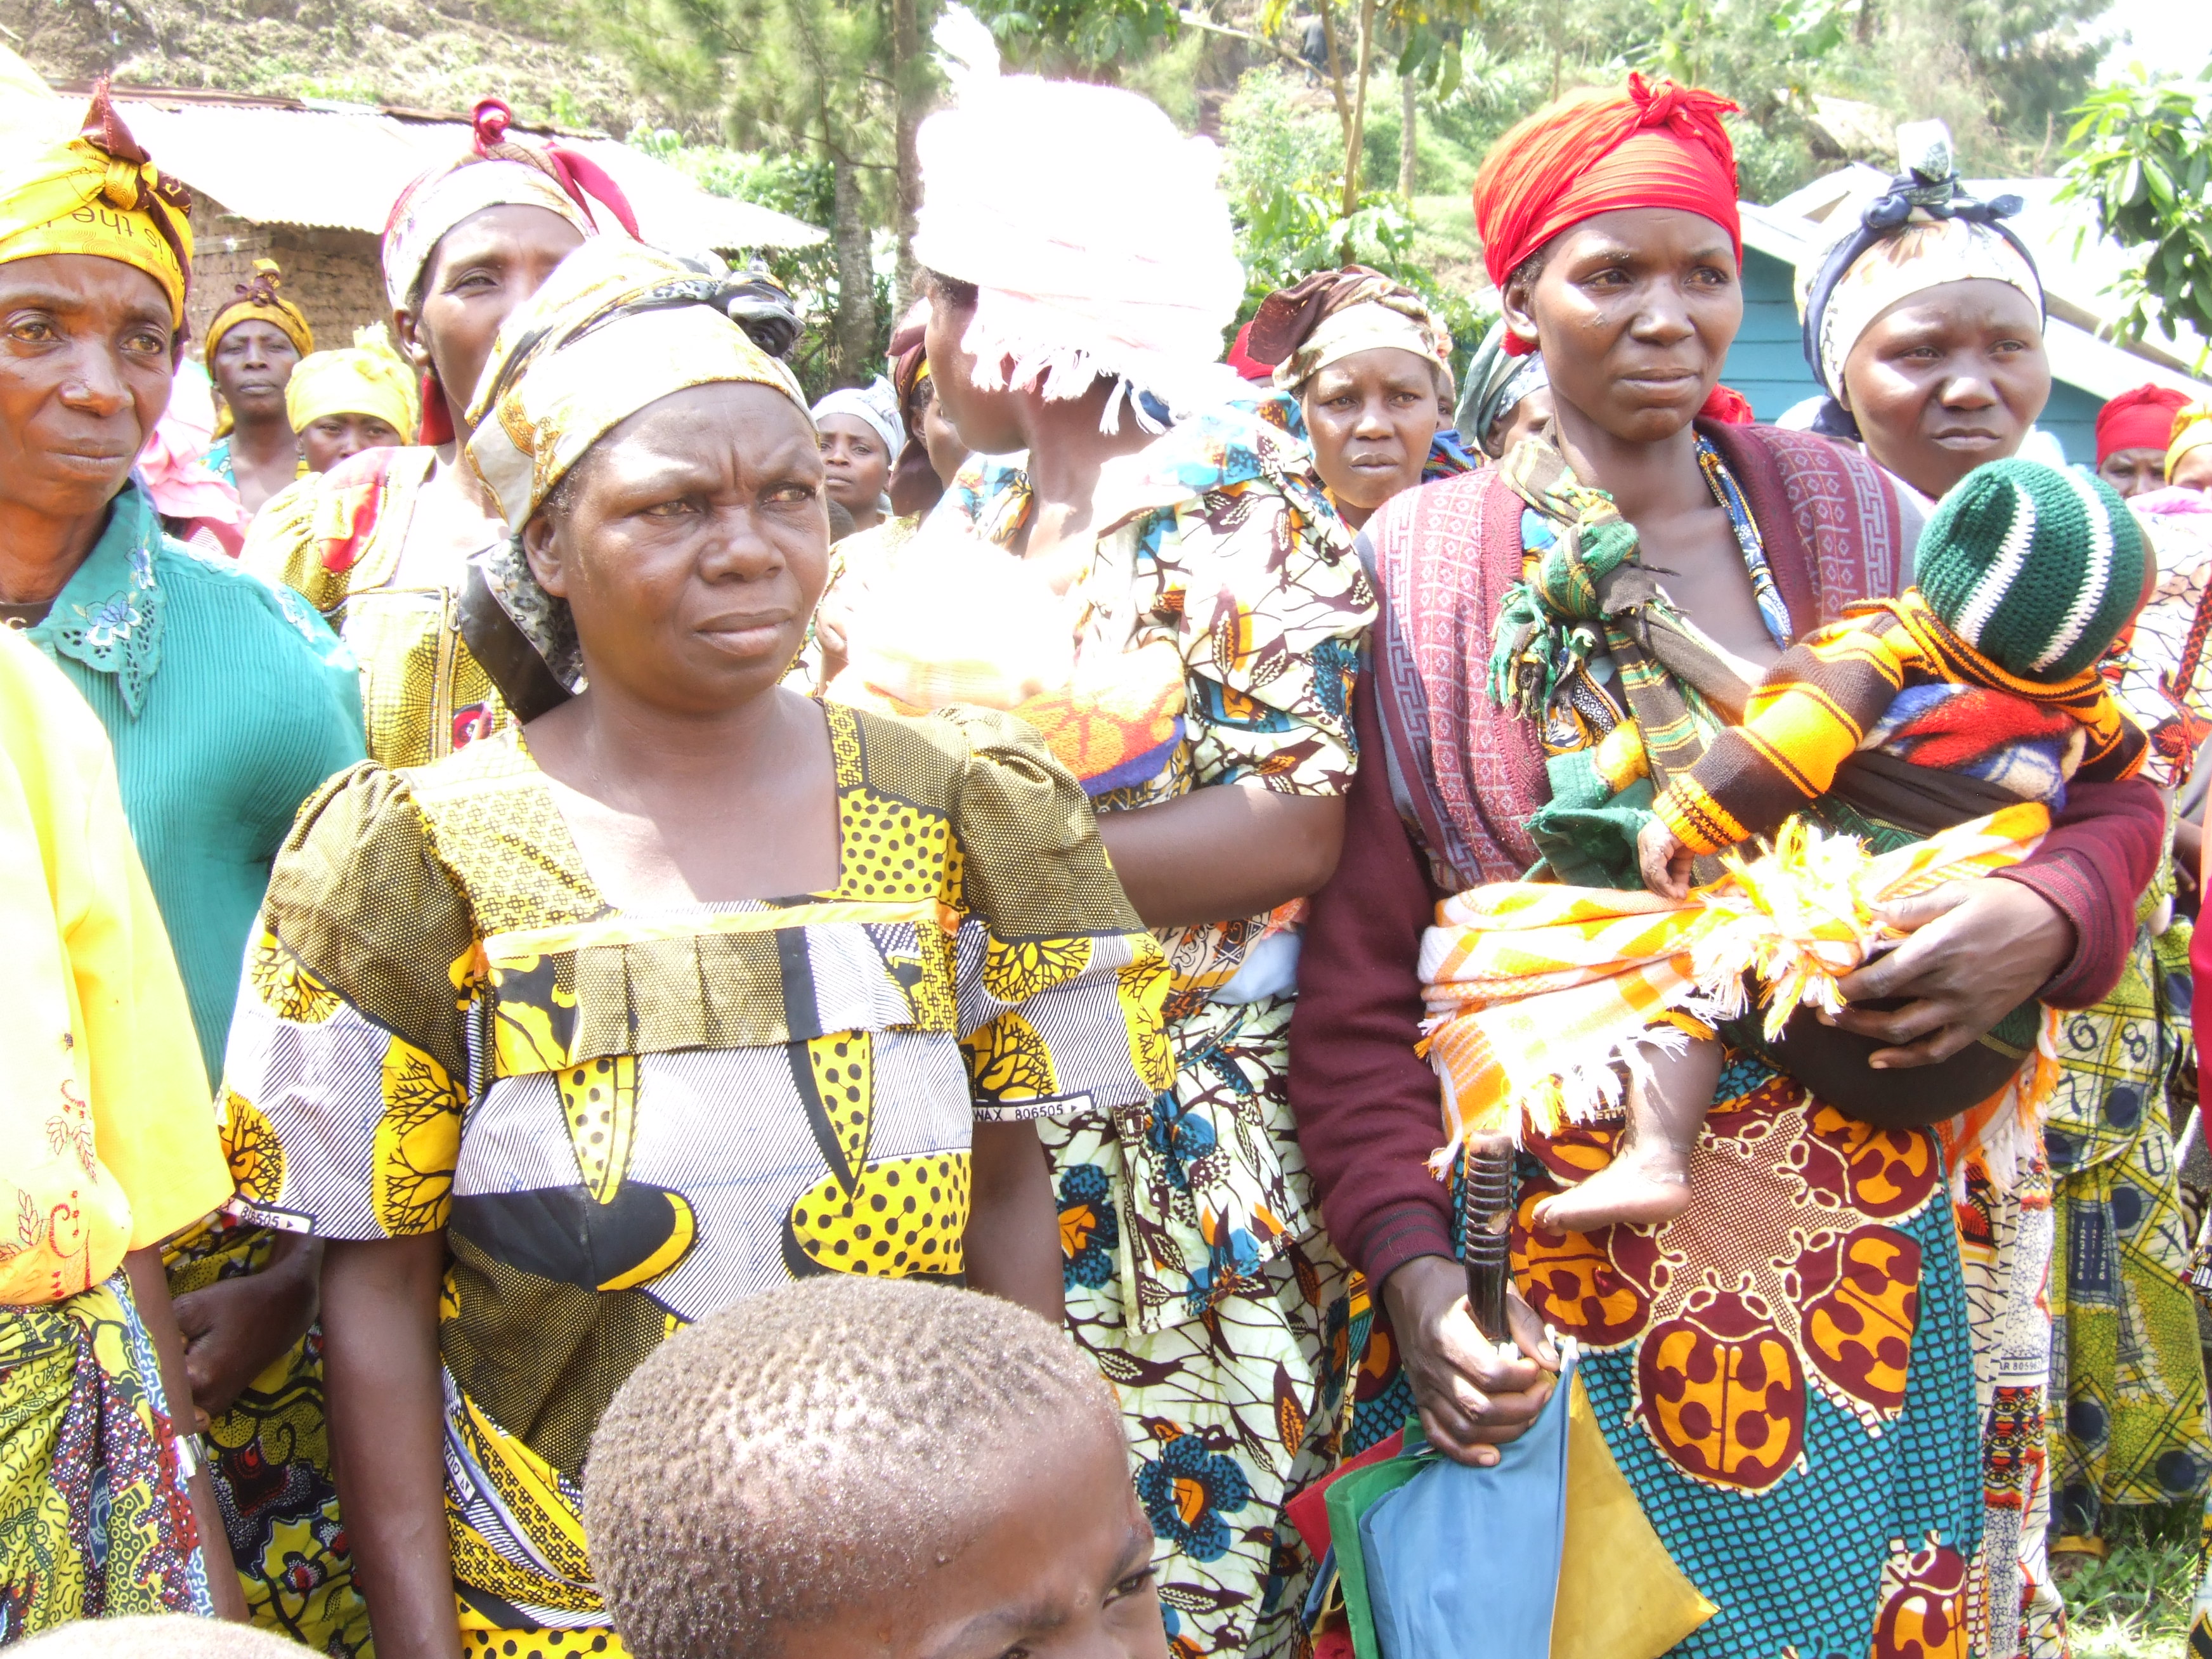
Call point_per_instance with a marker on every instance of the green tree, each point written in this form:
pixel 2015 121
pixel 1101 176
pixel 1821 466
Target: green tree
pixel 1081 40
pixel 2141 157
pixel 814 78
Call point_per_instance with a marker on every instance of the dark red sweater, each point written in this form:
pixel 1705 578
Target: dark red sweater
pixel 1366 1104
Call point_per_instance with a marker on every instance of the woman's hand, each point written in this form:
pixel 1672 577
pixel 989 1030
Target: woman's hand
pixel 1471 1402
pixel 236 1328
pixel 1664 860
pixel 1977 949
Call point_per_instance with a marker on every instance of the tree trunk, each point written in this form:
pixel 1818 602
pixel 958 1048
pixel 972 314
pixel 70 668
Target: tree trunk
pixel 853 328
pixel 1409 136
pixel 1335 69
pixel 1357 135
pixel 908 66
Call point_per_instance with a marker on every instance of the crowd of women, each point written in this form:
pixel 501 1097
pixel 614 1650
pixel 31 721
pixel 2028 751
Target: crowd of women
pixel 641 901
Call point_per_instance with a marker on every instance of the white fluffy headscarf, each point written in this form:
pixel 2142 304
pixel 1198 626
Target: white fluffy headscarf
pixel 1096 234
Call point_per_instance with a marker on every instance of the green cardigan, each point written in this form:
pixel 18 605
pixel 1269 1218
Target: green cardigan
pixel 228 701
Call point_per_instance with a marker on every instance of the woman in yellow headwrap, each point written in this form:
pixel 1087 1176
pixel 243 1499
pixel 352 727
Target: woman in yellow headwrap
pixel 2189 451
pixel 343 401
pixel 576 1195
pixel 254 346
pixel 226 701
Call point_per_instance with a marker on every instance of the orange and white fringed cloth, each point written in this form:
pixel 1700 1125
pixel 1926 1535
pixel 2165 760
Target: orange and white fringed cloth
pixel 1539 994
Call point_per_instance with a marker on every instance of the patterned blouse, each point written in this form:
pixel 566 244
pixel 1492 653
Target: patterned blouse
pixel 336 538
pixel 1217 540
pixel 2147 659
pixel 625 1119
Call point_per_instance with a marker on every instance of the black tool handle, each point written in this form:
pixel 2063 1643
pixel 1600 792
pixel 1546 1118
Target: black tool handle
pixel 1485 1217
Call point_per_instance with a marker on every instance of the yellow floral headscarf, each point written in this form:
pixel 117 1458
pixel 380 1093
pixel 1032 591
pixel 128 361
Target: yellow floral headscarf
pixel 617 326
pixel 259 301
pixel 2192 430
pixel 98 193
pixel 370 379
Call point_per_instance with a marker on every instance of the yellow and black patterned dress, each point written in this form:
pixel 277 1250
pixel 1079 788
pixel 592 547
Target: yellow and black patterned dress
pixel 625 1119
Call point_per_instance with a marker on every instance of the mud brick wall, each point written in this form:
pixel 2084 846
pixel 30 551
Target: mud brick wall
pixel 331 274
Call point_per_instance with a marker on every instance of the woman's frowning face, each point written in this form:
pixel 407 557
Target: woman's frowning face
pixel 2134 472
pixel 85 362
pixel 330 439
pixel 691 542
pixel 1372 417
pixel 857 463
pixel 1948 378
pixel 253 364
pixel 1634 311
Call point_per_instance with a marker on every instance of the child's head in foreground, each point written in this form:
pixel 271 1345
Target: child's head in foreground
pixel 2037 568
pixel 159 1636
pixel 852 1467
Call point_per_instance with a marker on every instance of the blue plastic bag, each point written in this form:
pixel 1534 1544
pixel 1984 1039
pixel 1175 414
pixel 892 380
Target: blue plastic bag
pixel 1464 1563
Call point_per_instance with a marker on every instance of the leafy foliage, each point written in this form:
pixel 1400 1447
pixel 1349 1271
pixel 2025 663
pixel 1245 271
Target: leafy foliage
pixel 1077 37
pixel 1283 189
pixel 2143 158
pixel 806 79
pixel 2134 1604
pixel 801 186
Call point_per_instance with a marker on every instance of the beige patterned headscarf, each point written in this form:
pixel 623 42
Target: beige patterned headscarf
pixel 1924 254
pixel 1333 314
pixel 616 327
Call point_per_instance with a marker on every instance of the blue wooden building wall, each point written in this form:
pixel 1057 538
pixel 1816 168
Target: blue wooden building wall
pixel 1768 365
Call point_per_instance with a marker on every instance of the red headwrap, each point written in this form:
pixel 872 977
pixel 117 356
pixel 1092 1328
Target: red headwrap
pixel 1649 146
pixel 1240 359
pixel 2140 419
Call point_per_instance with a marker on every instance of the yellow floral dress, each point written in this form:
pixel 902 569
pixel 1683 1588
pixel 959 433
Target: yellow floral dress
pixel 1197 1274
pixel 624 1119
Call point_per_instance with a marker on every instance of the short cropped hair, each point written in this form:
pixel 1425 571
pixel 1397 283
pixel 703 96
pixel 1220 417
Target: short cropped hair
pixel 159 1636
pixel 815 1448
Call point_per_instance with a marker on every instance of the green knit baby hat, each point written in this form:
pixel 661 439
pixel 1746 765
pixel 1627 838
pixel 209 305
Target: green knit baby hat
pixel 2036 567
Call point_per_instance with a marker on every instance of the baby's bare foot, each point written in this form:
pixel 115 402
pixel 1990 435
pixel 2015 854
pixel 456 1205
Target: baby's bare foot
pixel 1633 1190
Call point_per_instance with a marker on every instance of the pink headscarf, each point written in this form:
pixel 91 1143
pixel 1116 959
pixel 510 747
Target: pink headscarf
pixel 173 466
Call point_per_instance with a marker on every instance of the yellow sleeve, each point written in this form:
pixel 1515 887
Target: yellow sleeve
pixel 153 1125
pixel 1060 988
pixel 156 1127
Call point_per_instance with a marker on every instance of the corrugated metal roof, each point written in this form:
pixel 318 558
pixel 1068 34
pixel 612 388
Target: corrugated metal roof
pixel 343 169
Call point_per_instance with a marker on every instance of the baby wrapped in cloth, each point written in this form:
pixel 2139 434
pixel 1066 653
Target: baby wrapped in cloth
pixel 1957 712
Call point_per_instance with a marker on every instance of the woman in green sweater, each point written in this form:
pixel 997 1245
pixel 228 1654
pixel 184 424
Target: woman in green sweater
pixel 228 702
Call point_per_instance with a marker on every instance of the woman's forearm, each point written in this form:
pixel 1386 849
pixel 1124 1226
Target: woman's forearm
pixel 1232 850
pixel 386 1403
pixel 1013 1241
pixel 150 1289
pixel 2102 851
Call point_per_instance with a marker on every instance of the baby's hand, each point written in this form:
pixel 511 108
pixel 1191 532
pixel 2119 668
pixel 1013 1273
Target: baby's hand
pixel 1664 860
